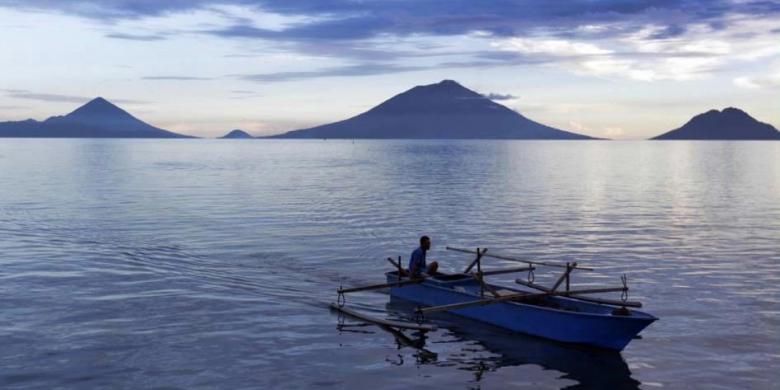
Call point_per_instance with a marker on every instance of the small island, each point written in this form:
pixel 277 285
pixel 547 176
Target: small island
pixel 237 134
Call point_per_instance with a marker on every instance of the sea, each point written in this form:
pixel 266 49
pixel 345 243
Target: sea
pixel 211 264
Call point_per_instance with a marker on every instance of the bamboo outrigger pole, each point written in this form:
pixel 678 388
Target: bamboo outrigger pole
pixel 514 259
pixel 514 297
pixel 379 286
pixel 383 322
pixel 573 295
pixel 507 271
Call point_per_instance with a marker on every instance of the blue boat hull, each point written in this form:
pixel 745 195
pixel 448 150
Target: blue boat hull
pixel 556 318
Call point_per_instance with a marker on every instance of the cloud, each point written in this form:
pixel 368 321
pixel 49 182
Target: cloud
pixel 612 132
pixel 758 82
pixel 45 97
pixel 350 28
pixel 579 127
pixel 651 52
pixel 177 78
pixel 644 40
pixel 243 94
pixel 554 47
pixel 57 98
pixel 667 32
pixel 498 96
pixel 137 37
pixel 369 69
pixel 366 19
pixel 338 71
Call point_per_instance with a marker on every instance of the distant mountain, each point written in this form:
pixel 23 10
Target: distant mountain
pixel 99 118
pixel 237 134
pixel 729 124
pixel 445 110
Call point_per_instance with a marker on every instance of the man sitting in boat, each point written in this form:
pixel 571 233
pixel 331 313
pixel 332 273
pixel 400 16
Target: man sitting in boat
pixel 417 266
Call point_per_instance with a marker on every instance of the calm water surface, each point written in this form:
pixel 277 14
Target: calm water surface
pixel 210 264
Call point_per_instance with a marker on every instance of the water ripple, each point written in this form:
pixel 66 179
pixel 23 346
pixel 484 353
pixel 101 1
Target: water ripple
pixel 211 264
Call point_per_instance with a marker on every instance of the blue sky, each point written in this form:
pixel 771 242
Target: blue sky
pixel 616 68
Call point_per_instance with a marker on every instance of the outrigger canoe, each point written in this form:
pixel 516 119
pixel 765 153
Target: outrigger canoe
pixel 557 313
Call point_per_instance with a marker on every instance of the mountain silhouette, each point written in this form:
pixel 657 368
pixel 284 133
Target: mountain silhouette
pixel 445 110
pixel 99 118
pixel 236 134
pixel 729 124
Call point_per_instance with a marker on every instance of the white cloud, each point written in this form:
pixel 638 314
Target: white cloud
pixel 592 28
pixel 758 82
pixel 650 54
pixel 579 127
pixel 746 82
pixel 554 47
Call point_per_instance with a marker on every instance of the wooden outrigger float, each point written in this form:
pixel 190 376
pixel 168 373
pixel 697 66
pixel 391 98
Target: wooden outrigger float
pixel 558 312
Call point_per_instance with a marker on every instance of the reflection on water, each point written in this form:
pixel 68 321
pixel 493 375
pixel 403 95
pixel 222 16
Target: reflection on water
pixel 210 264
pixel 591 368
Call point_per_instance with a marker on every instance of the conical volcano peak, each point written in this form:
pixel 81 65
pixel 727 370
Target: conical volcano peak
pixel 443 110
pixel 447 83
pixel 98 107
pixel 446 96
pixel 444 88
pixel 99 100
pixel 98 118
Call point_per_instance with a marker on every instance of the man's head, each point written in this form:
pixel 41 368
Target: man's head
pixel 425 242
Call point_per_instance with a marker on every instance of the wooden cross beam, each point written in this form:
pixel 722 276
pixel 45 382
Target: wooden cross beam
pixel 569 268
pixel 398 267
pixel 476 261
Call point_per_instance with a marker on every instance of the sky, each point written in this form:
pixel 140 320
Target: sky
pixel 615 68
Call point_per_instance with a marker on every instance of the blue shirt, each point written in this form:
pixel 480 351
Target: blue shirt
pixel 417 261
